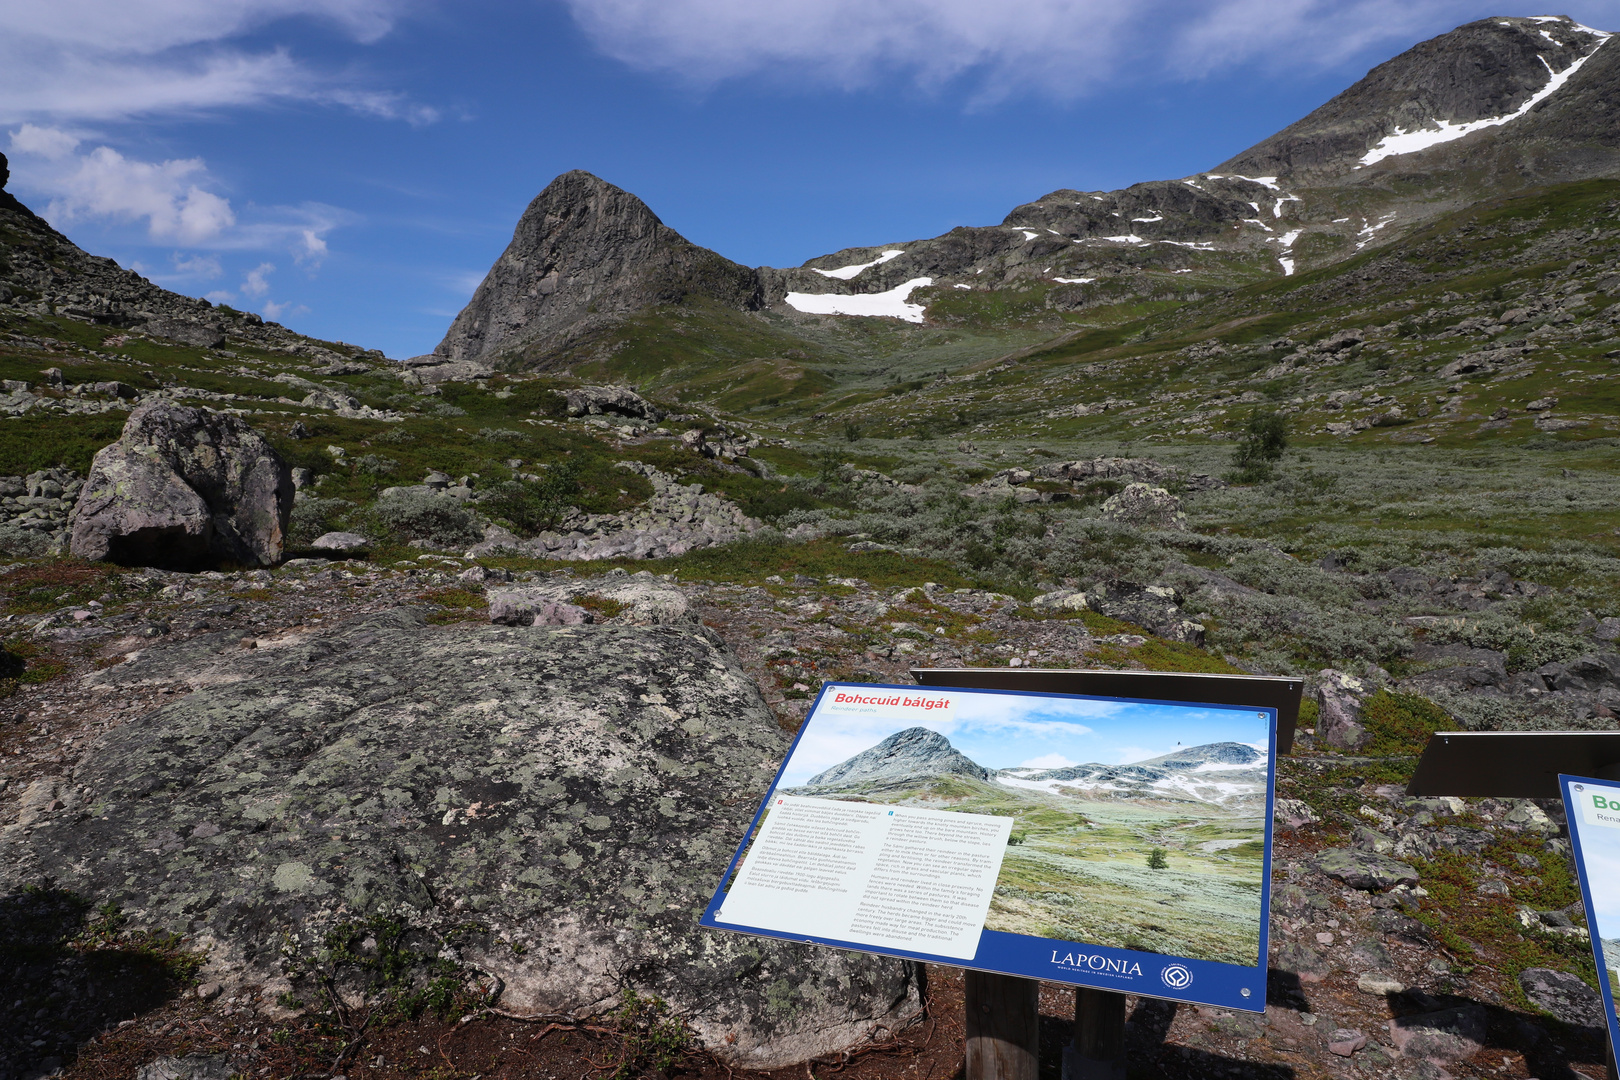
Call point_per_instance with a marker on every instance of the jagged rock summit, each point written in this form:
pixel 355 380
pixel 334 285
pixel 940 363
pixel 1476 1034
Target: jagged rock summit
pixel 585 253
pixel 914 752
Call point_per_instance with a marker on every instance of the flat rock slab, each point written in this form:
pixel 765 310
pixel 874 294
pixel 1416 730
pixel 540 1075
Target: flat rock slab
pixel 575 792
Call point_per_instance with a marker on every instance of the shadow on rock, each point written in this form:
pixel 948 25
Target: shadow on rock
pixel 69 973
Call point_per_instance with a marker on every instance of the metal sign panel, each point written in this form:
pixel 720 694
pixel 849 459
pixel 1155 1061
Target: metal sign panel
pixel 1512 764
pixel 1107 841
pixel 1592 808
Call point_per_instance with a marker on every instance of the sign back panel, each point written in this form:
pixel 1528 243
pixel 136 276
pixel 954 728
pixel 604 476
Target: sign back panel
pixel 1111 842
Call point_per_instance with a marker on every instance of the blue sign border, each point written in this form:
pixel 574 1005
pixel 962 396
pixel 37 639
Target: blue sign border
pixel 1156 975
pixel 1572 819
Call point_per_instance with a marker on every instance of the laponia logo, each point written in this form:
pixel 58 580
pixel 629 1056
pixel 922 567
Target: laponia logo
pixel 1176 976
pixel 1105 965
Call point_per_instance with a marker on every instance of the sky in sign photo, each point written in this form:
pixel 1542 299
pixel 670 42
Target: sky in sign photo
pixel 352 167
pixel 1003 731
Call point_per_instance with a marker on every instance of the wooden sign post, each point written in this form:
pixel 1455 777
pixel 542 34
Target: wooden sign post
pixel 1003 1027
pixel 1098 1049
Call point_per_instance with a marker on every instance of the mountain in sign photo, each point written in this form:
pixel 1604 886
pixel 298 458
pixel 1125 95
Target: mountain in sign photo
pixel 1227 774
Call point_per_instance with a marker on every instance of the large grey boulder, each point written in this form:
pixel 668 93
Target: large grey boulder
pixel 182 487
pixel 556 804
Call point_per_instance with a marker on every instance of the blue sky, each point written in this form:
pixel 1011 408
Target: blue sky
pixel 352 167
pixel 1003 731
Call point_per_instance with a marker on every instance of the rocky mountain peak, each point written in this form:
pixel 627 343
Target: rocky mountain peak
pixel 585 253
pixel 1480 72
pixel 914 752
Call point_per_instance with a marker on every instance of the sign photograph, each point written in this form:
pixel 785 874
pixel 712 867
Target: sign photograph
pixel 1592 808
pixel 1107 842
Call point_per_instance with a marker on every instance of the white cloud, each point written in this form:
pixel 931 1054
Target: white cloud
pixel 111 59
pixel 196 266
pixel 1047 761
pixel 53 144
pixel 257 281
pixel 174 199
pixel 274 311
pixel 105 184
pixel 1058 48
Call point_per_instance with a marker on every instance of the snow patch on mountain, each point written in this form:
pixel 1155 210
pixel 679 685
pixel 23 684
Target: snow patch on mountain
pixel 844 273
pixel 890 304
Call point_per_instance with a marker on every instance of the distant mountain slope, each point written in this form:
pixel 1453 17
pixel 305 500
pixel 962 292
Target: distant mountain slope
pixel 1229 774
pixel 586 253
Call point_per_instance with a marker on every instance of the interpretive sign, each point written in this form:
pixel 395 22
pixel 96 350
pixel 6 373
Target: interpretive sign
pixel 1592 808
pixel 1110 842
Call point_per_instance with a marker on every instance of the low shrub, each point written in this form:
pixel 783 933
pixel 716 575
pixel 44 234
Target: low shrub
pixel 528 507
pixel 433 519
pixel 312 516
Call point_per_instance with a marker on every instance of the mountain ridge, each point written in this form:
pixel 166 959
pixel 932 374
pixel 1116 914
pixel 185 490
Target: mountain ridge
pixel 1309 195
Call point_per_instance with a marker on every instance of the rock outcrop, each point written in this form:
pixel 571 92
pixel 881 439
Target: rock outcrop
pixel 585 253
pixel 182 487
pixel 573 792
pixel 1145 505
pixel 596 400
pixel 677 519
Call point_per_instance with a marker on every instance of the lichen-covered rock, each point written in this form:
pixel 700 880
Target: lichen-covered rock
pixel 638 598
pixel 677 519
pixel 1338 702
pixel 574 792
pixel 1563 995
pixel 1145 470
pixel 1365 869
pixel 342 543
pixel 1293 814
pixel 181 487
pixel 1144 504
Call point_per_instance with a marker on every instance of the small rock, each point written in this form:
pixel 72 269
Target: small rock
pixel 1346 1041
pixel 1293 814
pixel 342 543
pixel 1382 985
pixel 190 1067
pixel 520 607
